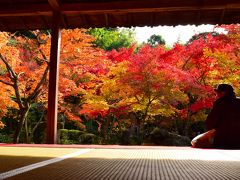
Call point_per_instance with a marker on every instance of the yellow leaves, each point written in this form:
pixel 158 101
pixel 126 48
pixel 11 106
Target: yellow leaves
pixel 11 54
pixel 110 88
pixel 155 108
pixel 234 36
pixel 175 95
pixel 226 66
pixel 95 105
pixel 164 110
pixel 220 56
pixel 199 116
pixel 1 125
pixel 118 70
pixel 6 93
pixel 127 101
pixel 3 39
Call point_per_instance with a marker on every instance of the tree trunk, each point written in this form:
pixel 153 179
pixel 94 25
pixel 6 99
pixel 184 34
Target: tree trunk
pixel 105 130
pixel 26 131
pixel 35 127
pixel 187 124
pixel 22 118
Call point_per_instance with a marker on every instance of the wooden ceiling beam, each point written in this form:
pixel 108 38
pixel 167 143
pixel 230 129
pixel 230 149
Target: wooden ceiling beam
pixel 55 4
pixel 147 6
pixel 115 7
pixel 222 16
pixel 25 10
pixel 4 25
pixel 106 20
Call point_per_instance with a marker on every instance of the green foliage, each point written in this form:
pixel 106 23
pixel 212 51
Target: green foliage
pixel 202 35
pixel 39 135
pixel 198 127
pixel 155 40
pixel 158 135
pixel 163 137
pixel 63 136
pixel 5 138
pixel 10 121
pixel 112 38
pixel 76 100
pixel 74 125
pixel 87 138
pixel 136 140
pixel 35 124
pixel 30 34
pixel 36 112
pixel 26 33
pixel 76 137
pixel 91 126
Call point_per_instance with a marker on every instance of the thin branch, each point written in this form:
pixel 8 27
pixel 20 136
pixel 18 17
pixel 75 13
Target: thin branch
pixel 35 127
pixel 20 74
pixel 186 62
pixel 153 98
pixel 40 59
pixel 10 70
pixel 37 89
pixel 14 78
pixel 43 55
pixel 44 76
pixel 36 93
pixel 16 88
pixel 7 83
pixel 137 98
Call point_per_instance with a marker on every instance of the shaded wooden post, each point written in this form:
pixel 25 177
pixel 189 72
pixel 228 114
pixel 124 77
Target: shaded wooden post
pixel 53 80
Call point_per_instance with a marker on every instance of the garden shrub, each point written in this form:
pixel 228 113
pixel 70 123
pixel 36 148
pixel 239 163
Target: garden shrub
pixel 74 135
pixel 39 136
pixel 163 137
pixel 198 127
pixel 136 140
pixel 4 138
pixel 87 138
pixel 63 136
pixel 125 138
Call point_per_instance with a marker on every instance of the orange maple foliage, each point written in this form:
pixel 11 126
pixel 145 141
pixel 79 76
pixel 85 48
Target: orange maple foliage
pixel 80 66
pixel 24 68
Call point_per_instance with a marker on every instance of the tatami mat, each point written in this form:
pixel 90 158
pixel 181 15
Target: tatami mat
pixel 147 163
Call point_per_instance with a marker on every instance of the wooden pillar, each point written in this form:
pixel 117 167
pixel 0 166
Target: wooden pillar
pixel 53 80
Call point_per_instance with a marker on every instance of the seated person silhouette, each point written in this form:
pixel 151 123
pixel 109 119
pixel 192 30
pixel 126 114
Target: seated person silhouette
pixel 223 122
